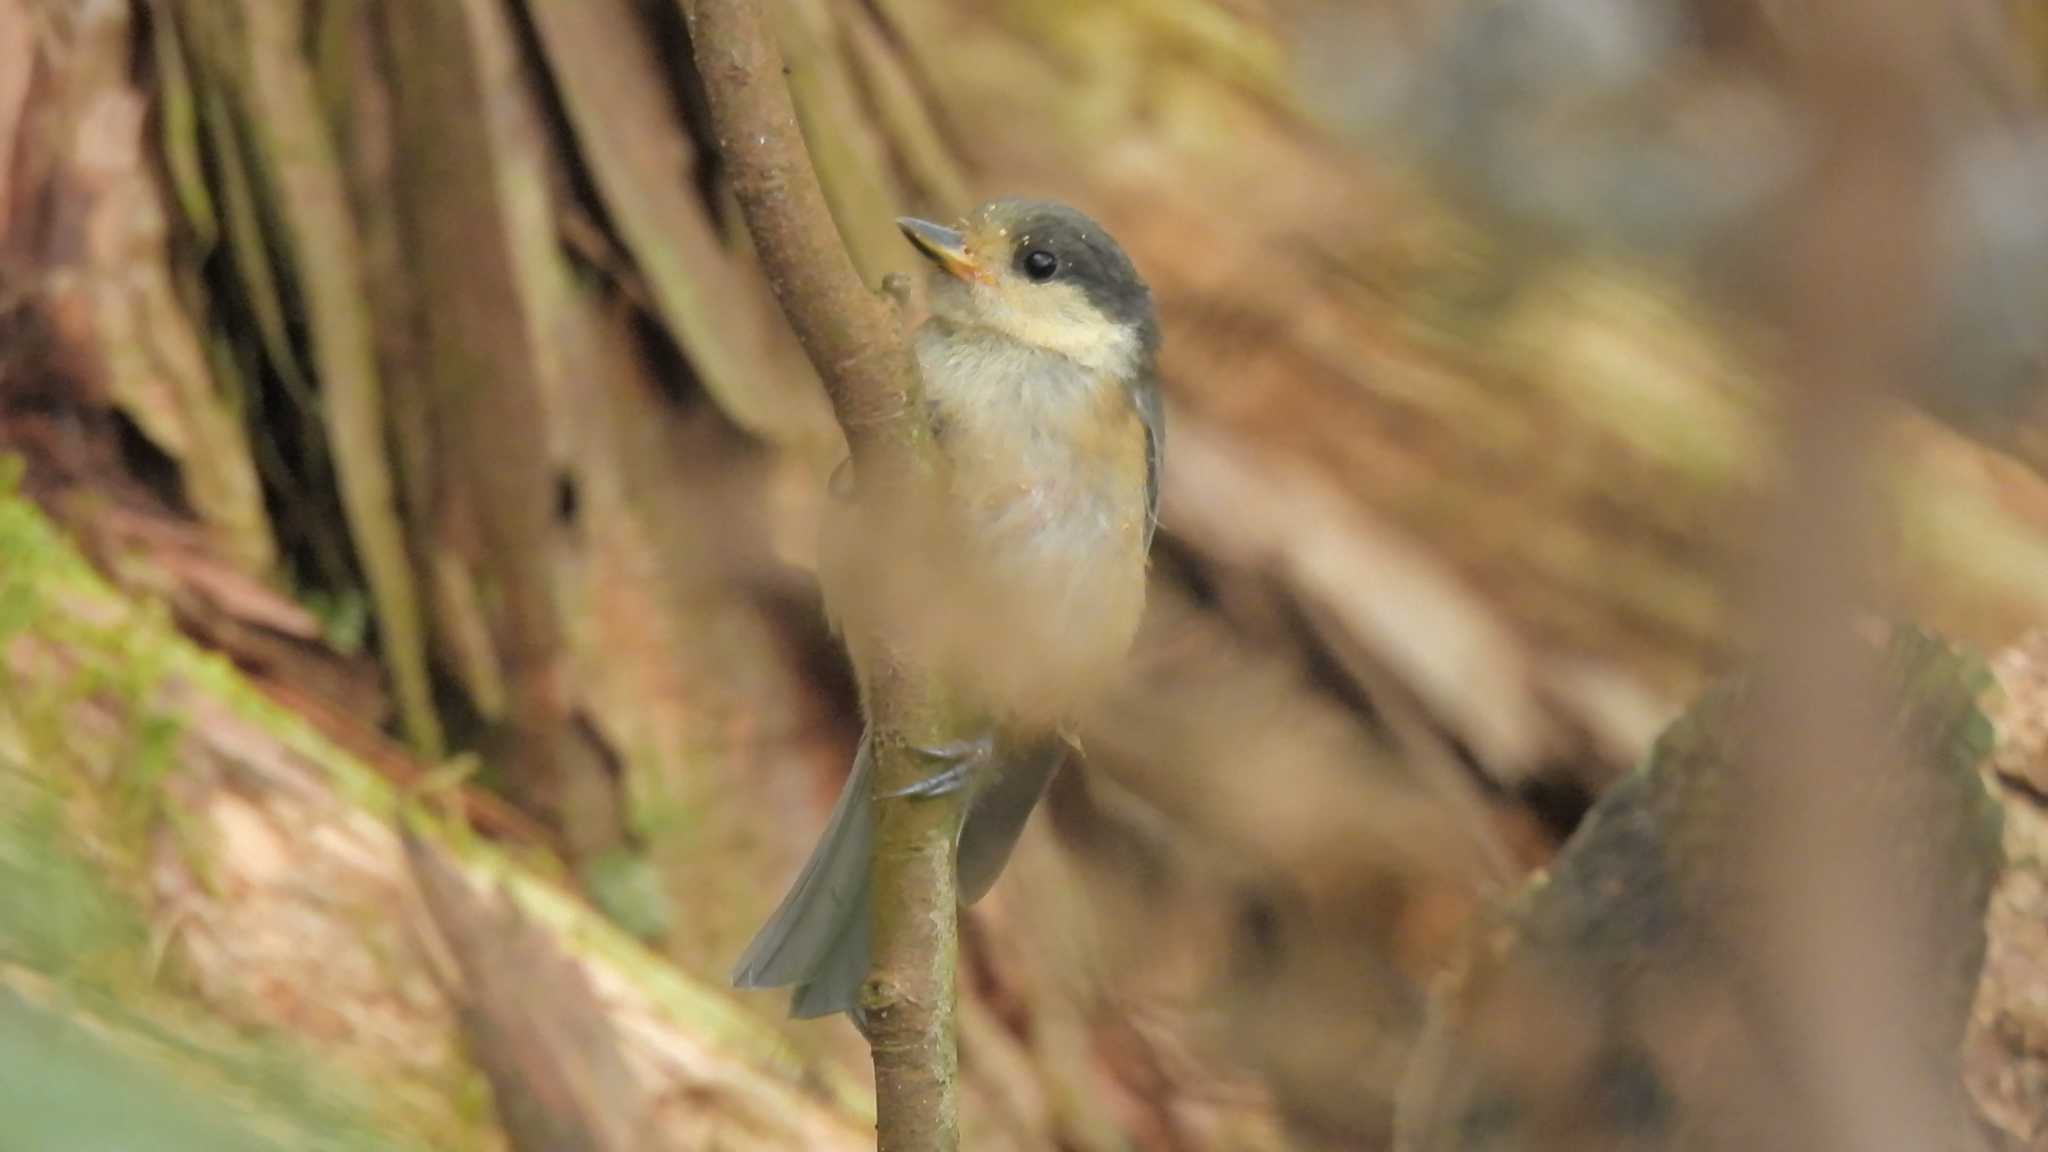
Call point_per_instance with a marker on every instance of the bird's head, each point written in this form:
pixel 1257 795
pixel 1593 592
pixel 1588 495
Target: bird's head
pixel 1044 275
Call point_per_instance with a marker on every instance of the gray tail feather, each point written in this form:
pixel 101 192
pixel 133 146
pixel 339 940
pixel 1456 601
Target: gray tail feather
pixel 998 815
pixel 818 937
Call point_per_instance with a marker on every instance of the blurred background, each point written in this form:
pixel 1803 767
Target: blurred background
pixel 400 434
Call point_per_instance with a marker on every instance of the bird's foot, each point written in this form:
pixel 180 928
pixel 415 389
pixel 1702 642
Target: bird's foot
pixel 958 762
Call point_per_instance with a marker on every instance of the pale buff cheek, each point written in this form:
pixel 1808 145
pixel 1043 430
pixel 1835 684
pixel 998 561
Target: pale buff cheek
pixel 1056 317
pixel 1059 318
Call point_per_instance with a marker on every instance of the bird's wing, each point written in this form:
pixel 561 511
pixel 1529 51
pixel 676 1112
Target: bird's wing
pixel 996 817
pixel 1152 411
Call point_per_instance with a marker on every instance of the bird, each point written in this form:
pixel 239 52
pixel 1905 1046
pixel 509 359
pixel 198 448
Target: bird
pixel 1022 586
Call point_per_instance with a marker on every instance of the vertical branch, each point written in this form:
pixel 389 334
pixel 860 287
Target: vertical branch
pixel 854 338
pixel 851 333
pixel 1842 946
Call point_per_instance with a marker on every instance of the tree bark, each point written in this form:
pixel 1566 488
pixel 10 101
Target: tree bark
pixel 910 1003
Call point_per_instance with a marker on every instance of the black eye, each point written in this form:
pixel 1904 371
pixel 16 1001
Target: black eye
pixel 1041 265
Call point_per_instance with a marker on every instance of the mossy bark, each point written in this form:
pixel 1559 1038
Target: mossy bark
pixel 205 859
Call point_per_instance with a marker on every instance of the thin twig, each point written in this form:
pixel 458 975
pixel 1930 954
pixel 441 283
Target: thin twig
pixel 851 334
pixel 854 338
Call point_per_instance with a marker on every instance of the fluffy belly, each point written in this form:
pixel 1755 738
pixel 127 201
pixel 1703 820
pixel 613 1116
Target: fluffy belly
pixel 1060 589
pixel 1023 593
pixel 1038 580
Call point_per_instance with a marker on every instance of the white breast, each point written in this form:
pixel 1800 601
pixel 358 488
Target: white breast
pixel 1047 475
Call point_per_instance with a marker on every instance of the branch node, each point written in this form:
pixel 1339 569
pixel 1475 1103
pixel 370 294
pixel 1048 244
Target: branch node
pixel 897 287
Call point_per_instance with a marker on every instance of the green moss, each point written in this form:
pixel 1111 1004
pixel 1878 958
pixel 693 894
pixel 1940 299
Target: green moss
pixel 57 914
pixel 96 1050
pixel 66 912
pixel 65 1083
pixel 93 1045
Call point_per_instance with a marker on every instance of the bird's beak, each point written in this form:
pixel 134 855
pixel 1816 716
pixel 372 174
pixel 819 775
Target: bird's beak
pixel 944 247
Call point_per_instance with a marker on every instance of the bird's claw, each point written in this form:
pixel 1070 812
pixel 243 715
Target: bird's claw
pixel 969 751
pixel 962 759
pixel 951 780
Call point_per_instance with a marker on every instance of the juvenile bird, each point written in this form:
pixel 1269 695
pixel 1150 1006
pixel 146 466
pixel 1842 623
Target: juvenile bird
pixel 1022 589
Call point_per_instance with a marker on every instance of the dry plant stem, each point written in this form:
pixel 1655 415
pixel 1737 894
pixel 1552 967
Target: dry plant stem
pixel 1835 957
pixel 854 338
